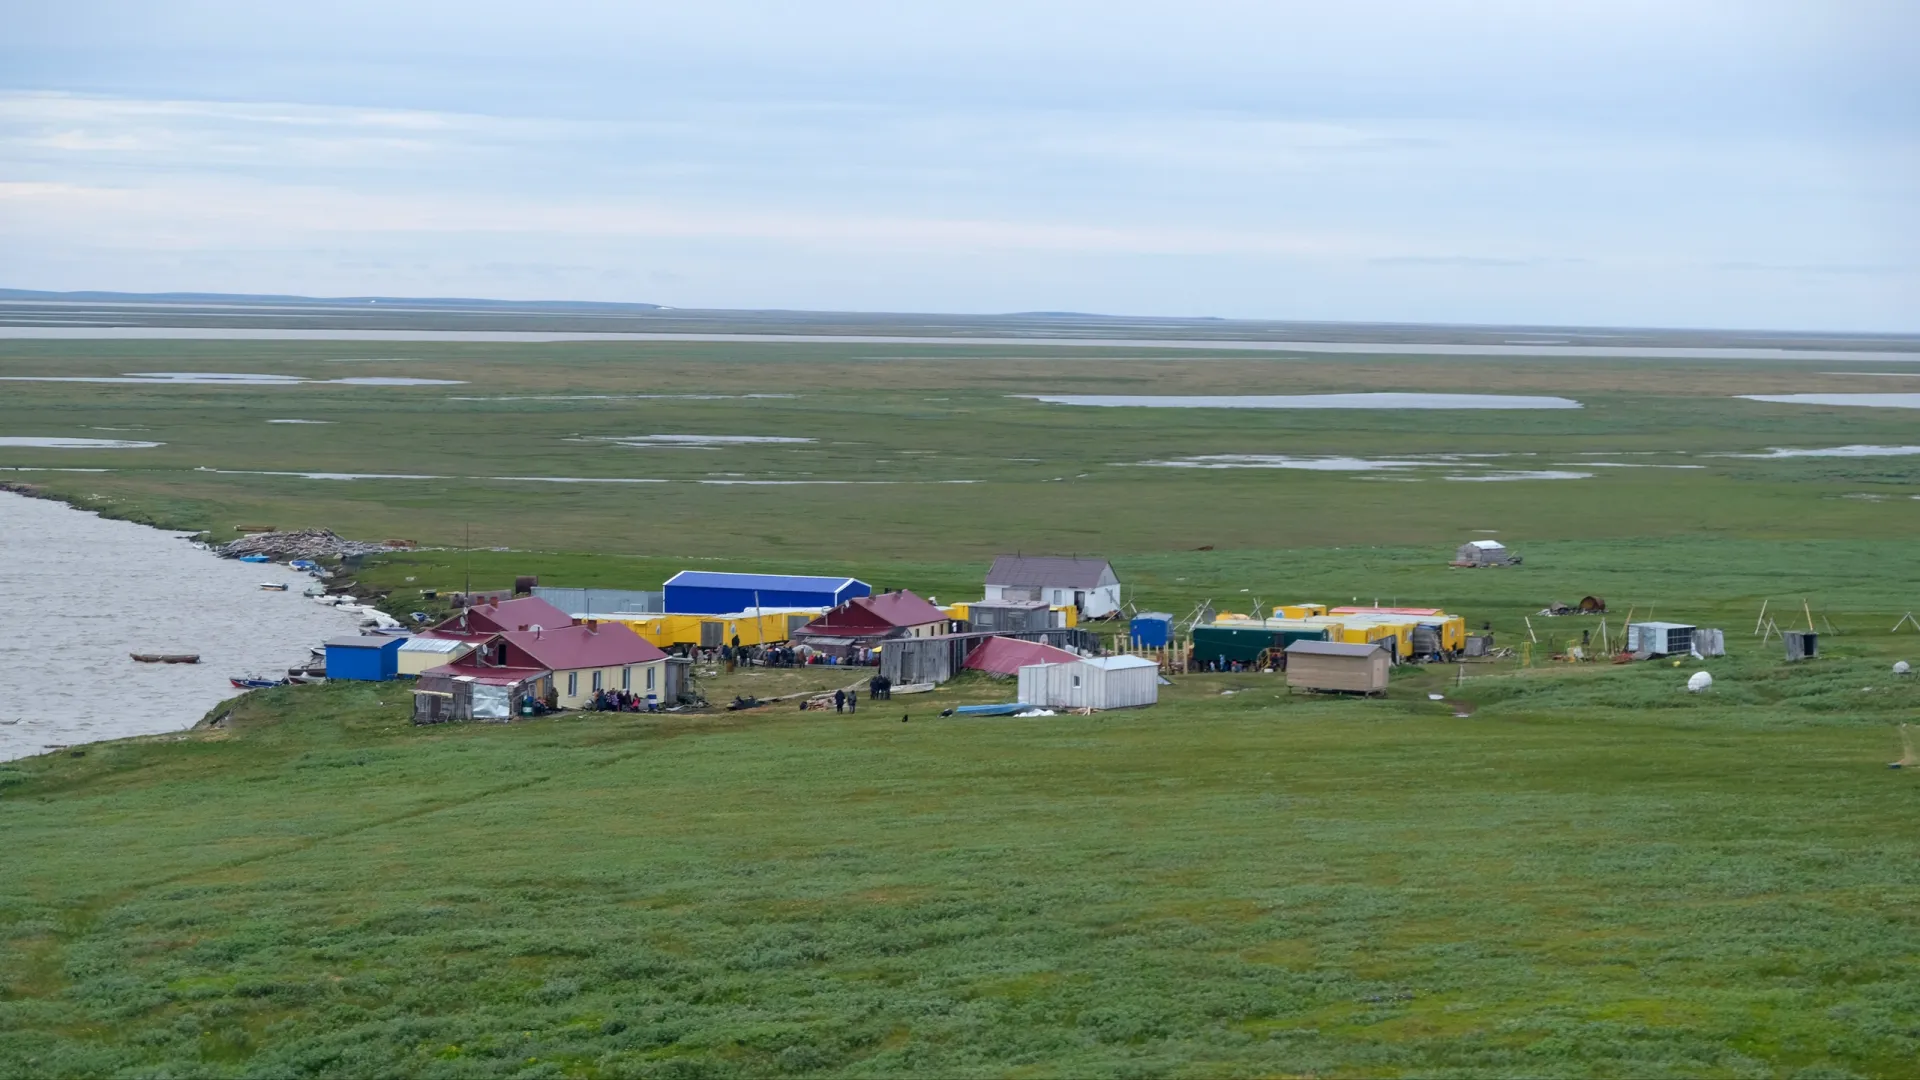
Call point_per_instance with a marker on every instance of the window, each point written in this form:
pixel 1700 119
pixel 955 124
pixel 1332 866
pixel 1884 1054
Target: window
pixel 596 681
pixel 649 678
pixel 1076 680
pixel 573 683
pixel 626 678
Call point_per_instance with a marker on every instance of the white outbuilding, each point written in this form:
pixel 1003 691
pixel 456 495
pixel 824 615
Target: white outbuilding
pixel 1484 553
pixel 1096 682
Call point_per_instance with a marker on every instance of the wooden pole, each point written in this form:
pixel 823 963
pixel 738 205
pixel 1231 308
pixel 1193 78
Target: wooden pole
pixel 1530 634
pixel 1762 620
pixel 1809 610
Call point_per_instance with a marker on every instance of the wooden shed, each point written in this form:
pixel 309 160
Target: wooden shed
pixel 1338 665
pixel 1484 553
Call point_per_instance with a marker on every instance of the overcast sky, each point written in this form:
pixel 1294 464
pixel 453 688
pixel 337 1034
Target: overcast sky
pixel 1745 163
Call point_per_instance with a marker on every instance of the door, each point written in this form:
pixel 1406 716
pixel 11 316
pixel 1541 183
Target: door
pixel 1079 601
pixel 711 635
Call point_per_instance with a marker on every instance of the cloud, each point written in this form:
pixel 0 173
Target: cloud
pixel 1641 162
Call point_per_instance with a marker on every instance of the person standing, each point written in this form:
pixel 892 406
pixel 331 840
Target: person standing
pixel 839 701
pixel 853 701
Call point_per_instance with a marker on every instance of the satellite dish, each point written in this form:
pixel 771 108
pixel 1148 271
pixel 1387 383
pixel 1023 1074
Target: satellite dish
pixel 1700 681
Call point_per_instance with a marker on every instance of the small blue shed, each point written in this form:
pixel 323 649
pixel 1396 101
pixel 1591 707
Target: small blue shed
pixel 707 592
pixel 370 658
pixel 1151 630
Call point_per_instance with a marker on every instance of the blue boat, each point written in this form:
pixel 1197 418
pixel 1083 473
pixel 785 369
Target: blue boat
pixel 991 710
pixel 304 564
pixel 254 682
pixel 256 558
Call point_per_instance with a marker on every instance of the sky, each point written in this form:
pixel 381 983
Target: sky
pixel 1749 163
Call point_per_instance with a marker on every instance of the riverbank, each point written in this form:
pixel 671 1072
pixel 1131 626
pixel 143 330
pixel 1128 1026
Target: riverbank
pixel 91 590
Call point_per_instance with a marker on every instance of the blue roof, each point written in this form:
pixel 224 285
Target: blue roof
pixel 711 579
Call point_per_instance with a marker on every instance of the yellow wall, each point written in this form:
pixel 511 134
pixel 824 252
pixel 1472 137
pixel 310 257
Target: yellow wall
pixel 764 630
pixel 665 630
pixel 413 663
pixel 1300 611
pixel 581 680
pixel 669 630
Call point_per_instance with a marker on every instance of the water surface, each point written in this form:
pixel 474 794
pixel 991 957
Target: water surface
pixel 192 333
pixel 95 590
pixel 1310 401
pixel 1869 401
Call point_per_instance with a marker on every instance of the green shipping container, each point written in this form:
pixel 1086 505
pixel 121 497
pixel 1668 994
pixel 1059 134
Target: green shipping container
pixel 1245 644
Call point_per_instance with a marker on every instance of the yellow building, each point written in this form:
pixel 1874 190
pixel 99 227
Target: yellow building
pixel 423 651
pixel 763 626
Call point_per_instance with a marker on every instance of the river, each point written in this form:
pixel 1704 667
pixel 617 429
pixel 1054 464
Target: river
pixel 85 592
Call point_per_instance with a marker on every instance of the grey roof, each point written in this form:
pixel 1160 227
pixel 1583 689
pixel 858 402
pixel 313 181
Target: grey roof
pixel 1049 570
pixel 1332 648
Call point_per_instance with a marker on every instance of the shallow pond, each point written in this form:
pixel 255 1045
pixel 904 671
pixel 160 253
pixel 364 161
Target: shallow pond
pixel 1310 401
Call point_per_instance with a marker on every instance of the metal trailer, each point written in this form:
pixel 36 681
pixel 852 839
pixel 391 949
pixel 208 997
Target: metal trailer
pixel 1660 638
pixel 1101 682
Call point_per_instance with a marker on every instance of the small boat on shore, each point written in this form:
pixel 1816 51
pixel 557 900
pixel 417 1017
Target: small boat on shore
pixel 256 558
pixel 274 586
pixel 166 658
pixel 304 564
pixel 254 682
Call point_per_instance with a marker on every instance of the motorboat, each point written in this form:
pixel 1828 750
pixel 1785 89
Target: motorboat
pixel 254 682
pixel 166 658
pixel 274 586
pixel 256 558
pixel 304 564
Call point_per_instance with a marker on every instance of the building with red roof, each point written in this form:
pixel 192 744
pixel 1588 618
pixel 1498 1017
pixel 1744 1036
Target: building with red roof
pixel 866 621
pixel 1006 656
pixel 520 613
pixel 583 658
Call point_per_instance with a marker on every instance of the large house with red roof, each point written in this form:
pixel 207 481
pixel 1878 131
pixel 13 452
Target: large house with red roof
pixel 867 621
pixel 580 660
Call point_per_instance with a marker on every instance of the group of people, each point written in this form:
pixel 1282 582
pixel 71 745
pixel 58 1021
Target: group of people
pixel 621 701
pixel 1276 663
pixel 880 688
pixel 846 701
pixel 778 656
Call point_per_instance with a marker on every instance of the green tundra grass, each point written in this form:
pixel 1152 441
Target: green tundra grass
pixel 1594 873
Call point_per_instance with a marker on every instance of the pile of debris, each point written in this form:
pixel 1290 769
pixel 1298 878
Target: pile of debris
pixel 305 544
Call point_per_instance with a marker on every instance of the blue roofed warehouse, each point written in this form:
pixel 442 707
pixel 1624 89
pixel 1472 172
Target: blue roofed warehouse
pixel 706 592
pixel 368 658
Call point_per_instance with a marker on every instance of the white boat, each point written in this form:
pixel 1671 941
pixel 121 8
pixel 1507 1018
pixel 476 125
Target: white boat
pixel 274 586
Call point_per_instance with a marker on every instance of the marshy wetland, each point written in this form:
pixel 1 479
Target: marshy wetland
pixel 1590 872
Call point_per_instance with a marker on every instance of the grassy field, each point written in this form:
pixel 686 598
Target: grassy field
pixel 947 463
pixel 1594 874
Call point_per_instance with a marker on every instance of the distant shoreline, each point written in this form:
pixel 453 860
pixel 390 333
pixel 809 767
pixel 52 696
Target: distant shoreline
pixel 223 333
